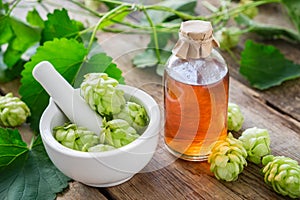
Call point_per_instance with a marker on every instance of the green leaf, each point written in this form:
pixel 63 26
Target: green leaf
pixel 4 7
pixel 34 19
pixel 27 173
pixel 187 6
pixel 268 31
pixel 145 59
pixel 6 32
pixel 264 66
pixel 8 74
pixel 293 8
pixel 68 56
pixel 59 25
pixel 99 63
pixel 148 59
pixel 24 37
pixel 11 145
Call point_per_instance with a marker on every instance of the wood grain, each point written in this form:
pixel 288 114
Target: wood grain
pixel 166 177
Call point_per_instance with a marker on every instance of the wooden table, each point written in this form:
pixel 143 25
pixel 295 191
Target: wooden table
pixel 165 177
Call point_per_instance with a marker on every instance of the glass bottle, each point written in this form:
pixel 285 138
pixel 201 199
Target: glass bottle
pixel 196 81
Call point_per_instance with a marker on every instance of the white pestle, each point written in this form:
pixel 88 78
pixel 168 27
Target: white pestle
pixel 66 97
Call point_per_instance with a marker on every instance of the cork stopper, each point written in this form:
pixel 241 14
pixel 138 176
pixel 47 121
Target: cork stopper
pixel 196 40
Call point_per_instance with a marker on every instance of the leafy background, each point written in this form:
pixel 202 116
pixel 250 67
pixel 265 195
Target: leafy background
pixel 72 47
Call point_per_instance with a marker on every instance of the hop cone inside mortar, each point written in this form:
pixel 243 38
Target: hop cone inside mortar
pixel 235 118
pixel 283 174
pixel 74 137
pixel 13 111
pixel 227 159
pixel 117 133
pixel 256 141
pixel 100 92
pixel 135 115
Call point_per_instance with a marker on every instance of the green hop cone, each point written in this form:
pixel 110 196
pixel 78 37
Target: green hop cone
pixel 117 133
pixel 135 115
pixel 235 118
pixel 283 174
pixel 100 92
pixel 74 137
pixel 228 37
pixel 250 12
pixel 227 159
pixel 13 111
pixel 256 141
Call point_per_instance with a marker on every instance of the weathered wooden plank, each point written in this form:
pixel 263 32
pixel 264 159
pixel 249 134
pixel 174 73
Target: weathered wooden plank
pixel 78 191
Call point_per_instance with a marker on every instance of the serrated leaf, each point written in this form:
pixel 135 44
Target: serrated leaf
pixel 59 25
pixel 99 63
pixel 30 173
pixel 34 19
pixel 66 56
pixel 264 66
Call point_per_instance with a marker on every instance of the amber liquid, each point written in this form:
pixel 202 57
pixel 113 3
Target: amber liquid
pixel 196 117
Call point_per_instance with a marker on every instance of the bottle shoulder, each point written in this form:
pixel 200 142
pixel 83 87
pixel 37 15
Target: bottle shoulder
pixel 198 71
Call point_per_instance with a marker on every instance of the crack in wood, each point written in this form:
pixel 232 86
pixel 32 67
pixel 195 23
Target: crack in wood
pixel 106 193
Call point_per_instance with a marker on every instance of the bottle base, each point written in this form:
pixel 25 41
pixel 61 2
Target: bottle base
pixel 187 157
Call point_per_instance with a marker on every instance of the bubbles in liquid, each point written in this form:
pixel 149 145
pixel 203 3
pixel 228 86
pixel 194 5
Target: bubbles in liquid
pixel 198 71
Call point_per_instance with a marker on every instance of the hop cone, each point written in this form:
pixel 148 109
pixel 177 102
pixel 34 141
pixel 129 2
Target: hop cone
pixel 256 141
pixel 117 133
pixel 228 37
pixel 135 115
pixel 250 12
pixel 74 137
pixel 100 92
pixel 283 174
pixel 13 111
pixel 235 118
pixel 228 159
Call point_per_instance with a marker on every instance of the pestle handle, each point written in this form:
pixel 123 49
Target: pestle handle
pixel 66 97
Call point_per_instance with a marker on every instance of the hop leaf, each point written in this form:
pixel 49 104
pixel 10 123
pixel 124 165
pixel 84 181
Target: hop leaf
pixel 256 141
pixel 235 118
pixel 117 133
pixel 135 115
pixel 74 137
pixel 13 111
pixel 100 92
pixel 228 159
pixel 283 174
